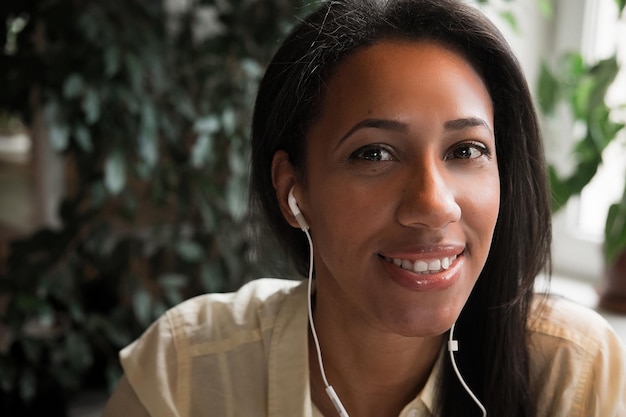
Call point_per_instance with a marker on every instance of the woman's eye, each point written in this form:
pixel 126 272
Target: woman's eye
pixel 468 151
pixel 374 153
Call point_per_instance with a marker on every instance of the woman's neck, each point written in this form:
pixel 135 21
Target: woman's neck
pixel 373 372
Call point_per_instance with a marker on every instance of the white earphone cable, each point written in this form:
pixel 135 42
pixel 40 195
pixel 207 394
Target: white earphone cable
pixel 334 398
pixel 453 346
pixel 310 292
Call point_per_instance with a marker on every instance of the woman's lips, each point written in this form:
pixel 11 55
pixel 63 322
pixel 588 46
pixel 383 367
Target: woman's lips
pixel 434 272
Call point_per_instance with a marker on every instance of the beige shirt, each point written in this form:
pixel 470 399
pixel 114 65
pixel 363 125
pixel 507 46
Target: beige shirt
pixel 245 354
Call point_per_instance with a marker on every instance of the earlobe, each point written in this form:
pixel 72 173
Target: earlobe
pixel 283 180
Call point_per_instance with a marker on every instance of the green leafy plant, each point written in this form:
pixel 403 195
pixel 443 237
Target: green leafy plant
pixel 583 87
pixel 149 108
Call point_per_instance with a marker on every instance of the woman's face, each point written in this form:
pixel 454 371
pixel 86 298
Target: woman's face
pixel 401 187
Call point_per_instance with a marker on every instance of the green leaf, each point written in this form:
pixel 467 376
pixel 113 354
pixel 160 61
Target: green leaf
pixel 603 74
pixel 78 351
pixel 202 151
pixel 209 215
pixel 510 18
pixel 185 107
pixel 251 68
pixel 91 106
pixel 76 312
pixel 115 173
pixel 621 4
pixel 236 195
pixel 548 90
pixel 148 148
pixel 546 8
pixel 237 162
pixel 207 125
pixel 601 128
pixel 160 307
pixel 172 297
pixel 112 61
pixel 229 121
pixel 135 71
pixel 189 250
pixel 98 194
pixel 212 277
pixel 173 281
pixel 148 141
pixel 560 192
pixel 142 306
pixel 575 65
pixel 148 119
pixel 580 98
pixel 615 229
pixel 73 86
pixel 59 137
pixel 46 316
pixel 83 138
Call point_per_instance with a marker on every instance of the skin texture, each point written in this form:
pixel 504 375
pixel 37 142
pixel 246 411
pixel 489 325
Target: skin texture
pixel 400 164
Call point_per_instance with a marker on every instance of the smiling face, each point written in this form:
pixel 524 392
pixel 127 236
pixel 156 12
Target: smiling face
pixel 401 187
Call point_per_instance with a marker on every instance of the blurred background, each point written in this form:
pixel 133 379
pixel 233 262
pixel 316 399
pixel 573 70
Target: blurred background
pixel 124 162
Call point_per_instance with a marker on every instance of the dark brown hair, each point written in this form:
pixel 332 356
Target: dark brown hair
pixel 492 325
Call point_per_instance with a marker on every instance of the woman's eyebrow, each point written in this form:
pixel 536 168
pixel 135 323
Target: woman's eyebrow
pixel 465 122
pixel 386 124
pixel 397 126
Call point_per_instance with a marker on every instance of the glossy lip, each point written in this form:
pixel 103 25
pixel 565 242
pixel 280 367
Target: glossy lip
pixel 437 281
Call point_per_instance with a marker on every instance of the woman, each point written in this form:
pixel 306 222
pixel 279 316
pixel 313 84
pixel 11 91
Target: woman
pixel 396 149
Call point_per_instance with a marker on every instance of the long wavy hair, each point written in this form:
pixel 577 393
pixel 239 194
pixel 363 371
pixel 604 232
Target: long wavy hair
pixel 492 327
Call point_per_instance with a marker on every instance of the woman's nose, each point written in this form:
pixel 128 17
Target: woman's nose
pixel 429 198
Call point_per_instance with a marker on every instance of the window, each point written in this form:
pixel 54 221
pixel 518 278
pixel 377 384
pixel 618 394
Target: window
pixel 579 227
pixel 579 230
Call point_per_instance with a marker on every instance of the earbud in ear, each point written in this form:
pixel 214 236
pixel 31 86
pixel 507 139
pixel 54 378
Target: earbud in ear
pixel 295 210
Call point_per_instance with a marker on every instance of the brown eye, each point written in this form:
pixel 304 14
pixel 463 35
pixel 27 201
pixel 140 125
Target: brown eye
pixel 373 153
pixel 468 151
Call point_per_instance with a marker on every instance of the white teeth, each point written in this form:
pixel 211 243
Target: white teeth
pixel 445 263
pixel 434 265
pixel 422 267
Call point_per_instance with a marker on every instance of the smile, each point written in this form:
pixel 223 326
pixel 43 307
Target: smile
pixel 423 266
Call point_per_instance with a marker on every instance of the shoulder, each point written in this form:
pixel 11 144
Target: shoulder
pixel 209 335
pixel 561 320
pixel 261 298
pixel 577 362
pixel 218 316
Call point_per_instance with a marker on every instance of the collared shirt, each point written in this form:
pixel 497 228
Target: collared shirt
pixel 246 354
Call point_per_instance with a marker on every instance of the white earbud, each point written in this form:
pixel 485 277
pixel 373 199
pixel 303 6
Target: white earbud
pixel 295 210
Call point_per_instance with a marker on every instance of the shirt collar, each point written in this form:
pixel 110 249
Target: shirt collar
pixel 289 389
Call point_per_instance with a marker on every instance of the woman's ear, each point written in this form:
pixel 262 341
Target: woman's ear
pixel 283 180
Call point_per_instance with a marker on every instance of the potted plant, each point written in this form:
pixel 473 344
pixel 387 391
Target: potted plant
pixel 583 87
